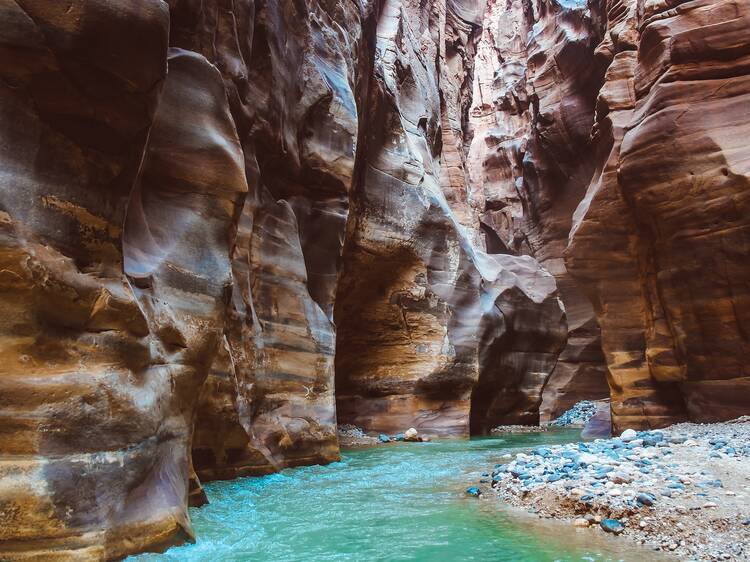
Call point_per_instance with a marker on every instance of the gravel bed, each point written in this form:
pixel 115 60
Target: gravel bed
pixel 684 489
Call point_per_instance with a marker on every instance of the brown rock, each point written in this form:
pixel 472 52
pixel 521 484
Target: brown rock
pixel 432 333
pixel 113 284
pixel 671 196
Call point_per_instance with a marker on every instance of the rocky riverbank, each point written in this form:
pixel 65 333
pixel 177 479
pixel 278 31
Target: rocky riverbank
pixel 518 429
pixel 684 489
pixel 352 436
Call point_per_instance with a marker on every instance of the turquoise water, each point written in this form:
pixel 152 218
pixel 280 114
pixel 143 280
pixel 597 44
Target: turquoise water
pixel 399 502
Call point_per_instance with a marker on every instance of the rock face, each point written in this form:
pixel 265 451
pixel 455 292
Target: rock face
pixel 119 189
pixel 432 333
pixel 660 240
pixel 610 144
pixel 263 215
pixel 529 161
pixel 177 240
pixel 269 400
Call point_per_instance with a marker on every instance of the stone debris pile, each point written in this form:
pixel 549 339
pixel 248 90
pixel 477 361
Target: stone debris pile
pixel 684 489
pixel 578 415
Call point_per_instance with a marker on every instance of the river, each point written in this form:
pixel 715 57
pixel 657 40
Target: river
pixel 398 502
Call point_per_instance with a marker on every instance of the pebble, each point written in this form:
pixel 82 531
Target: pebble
pixel 628 435
pixel 474 491
pixel 645 499
pixel 411 434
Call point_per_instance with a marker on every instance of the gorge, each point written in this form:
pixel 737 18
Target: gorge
pixel 229 226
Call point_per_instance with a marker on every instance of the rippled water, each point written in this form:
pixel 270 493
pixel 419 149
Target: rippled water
pixel 400 502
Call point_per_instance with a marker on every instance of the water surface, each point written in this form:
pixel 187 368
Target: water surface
pixel 399 502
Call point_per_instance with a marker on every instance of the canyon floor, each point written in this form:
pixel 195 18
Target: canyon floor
pixel 684 489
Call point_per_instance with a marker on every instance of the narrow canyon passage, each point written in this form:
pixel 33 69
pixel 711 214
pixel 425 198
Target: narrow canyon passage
pixel 229 228
pixel 401 502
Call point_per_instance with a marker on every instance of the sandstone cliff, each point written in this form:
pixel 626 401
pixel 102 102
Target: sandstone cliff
pixel 227 225
pixel 609 143
pixel 659 242
pixel 177 240
pixel 529 161
pixel 433 333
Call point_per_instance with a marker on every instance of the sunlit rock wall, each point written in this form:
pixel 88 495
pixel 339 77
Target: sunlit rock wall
pixel 660 242
pixel 119 188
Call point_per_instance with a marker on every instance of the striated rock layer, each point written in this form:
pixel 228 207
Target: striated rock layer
pixel 176 240
pixel 259 216
pixel 119 187
pixel 660 241
pixel 297 85
pixel 610 142
pixel 432 332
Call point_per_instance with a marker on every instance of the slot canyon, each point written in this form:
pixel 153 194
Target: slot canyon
pixel 265 219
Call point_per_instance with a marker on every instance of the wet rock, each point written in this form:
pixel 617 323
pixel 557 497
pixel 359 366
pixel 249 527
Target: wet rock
pixel 612 526
pixel 474 491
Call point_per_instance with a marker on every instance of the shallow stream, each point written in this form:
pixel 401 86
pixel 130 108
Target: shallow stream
pixel 399 502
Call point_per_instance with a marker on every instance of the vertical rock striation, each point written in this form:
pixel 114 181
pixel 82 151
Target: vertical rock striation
pixel 296 85
pixel 608 143
pixel 432 332
pixel 529 161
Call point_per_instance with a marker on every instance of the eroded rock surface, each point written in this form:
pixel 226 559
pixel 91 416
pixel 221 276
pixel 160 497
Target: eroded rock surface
pixel 660 240
pixel 269 401
pixel 198 227
pixel 119 189
pixel 609 144
pixel 533 107
pixel 174 213
pixel 429 327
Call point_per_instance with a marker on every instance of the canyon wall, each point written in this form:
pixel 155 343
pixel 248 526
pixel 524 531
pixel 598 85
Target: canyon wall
pixel 432 332
pixel 529 160
pixel 191 193
pixel 120 187
pixel 227 225
pixel 660 241
pixel 609 143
